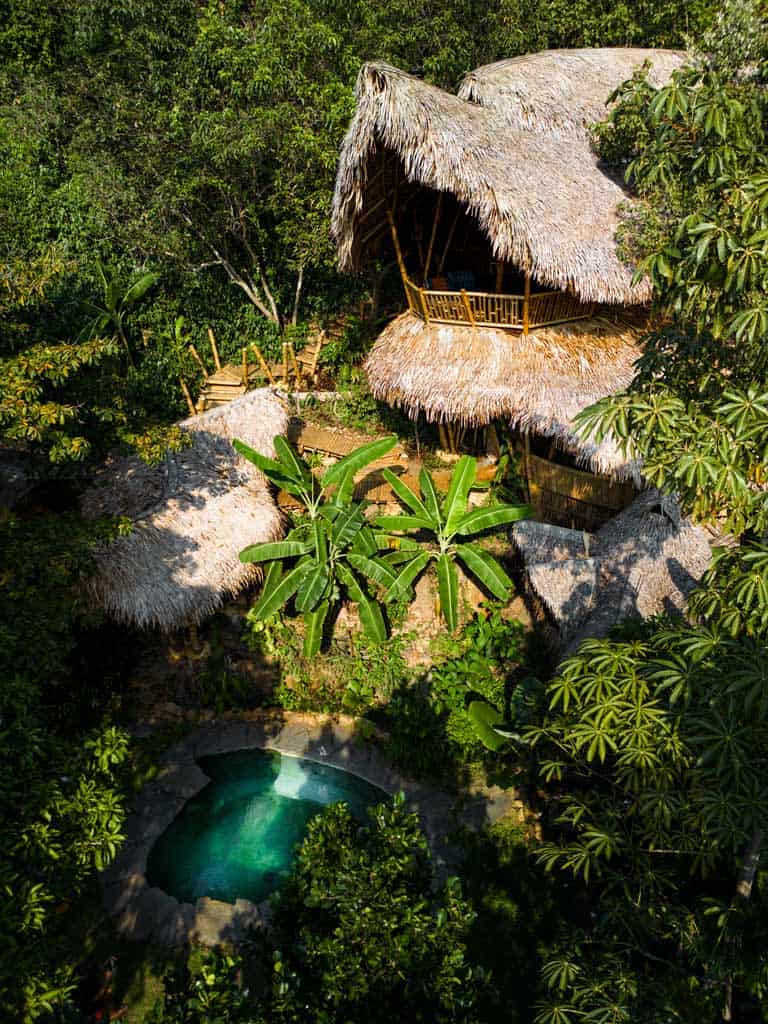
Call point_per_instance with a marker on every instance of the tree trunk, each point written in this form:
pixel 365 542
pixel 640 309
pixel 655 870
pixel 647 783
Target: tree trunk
pixel 744 883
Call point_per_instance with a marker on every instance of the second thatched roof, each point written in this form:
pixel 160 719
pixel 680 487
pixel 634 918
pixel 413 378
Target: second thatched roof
pixel 191 517
pixel 525 172
pixel 537 382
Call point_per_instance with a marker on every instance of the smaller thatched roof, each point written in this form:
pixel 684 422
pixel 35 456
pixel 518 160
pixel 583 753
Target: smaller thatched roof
pixel 562 90
pixel 191 515
pixel 538 381
pixel 648 559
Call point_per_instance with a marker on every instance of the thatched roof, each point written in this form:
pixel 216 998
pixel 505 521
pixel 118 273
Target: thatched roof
pixel 562 90
pixel 191 516
pixel 540 196
pixel 537 382
pixel 648 559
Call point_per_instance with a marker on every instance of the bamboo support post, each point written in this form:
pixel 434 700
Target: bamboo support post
pixel 262 363
pixel 451 438
pixel 467 306
pixel 499 276
pixel 214 348
pixel 526 303
pixel 527 462
pixel 398 250
pixel 432 237
pixel 295 363
pixel 424 308
pixel 196 356
pixel 190 403
pixel 285 362
pixel 245 367
pixel 448 241
pixel 442 436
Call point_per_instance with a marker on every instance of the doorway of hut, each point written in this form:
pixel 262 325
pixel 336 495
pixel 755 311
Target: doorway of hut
pixel 532 468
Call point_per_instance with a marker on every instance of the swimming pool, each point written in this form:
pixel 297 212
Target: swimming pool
pixel 236 838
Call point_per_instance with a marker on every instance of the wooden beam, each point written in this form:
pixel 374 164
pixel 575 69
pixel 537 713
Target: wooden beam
pixel 263 362
pixel 214 348
pixel 467 306
pixel 527 303
pixel 431 246
pixel 195 354
pixel 396 242
pixel 448 241
pixel 190 403
pixel 245 367
pixel 424 308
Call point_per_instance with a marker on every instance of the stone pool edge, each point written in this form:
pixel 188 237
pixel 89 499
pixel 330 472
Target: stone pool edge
pixel 148 913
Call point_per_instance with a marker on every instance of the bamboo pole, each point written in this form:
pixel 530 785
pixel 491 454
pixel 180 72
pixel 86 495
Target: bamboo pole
pixel 527 461
pixel 431 246
pixel 499 276
pixel 398 250
pixel 442 436
pixel 467 306
pixel 200 363
pixel 263 362
pixel 424 308
pixel 526 303
pixel 451 438
pixel 214 348
pixel 292 354
pixel 190 403
pixel 245 367
pixel 448 241
pixel 285 362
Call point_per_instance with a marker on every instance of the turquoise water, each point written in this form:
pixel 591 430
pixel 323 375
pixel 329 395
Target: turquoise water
pixel 237 837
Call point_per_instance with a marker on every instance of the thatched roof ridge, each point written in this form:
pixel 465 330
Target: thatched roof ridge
pixel 562 90
pixel 541 198
pixel 537 382
pixel 192 514
pixel 650 558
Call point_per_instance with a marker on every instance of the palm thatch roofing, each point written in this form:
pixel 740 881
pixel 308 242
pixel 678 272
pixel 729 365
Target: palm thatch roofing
pixel 643 562
pixel 191 516
pixel 538 381
pixel 505 149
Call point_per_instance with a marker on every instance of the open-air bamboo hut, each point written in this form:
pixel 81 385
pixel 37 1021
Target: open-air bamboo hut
pixel 191 517
pixel 502 221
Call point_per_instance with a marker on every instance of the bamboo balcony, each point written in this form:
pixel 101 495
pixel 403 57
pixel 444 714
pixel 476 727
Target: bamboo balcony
pixel 488 309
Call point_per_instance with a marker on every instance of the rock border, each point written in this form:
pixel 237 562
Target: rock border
pixel 148 913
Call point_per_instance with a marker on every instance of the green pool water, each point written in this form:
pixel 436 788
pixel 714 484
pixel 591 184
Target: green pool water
pixel 237 837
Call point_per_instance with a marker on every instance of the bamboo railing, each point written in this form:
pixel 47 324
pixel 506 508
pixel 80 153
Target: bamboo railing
pixel 488 309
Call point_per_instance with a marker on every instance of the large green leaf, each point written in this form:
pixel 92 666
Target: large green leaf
pixel 486 518
pixel 314 622
pixel 402 584
pixel 347 525
pixel 313 587
pixel 295 467
pixel 462 478
pixel 407 497
pixel 371 619
pixel 274 597
pixel 401 522
pixel 139 288
pixel 373 568
pixel 429 494
pixel 279 549
pixel 359 458
pixel 321 541
pixel 483 718
pixel 486 569
pixel 365 543
pixel 448 589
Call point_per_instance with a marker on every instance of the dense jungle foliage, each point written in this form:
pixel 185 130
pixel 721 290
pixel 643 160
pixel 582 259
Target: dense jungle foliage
pixel 165 168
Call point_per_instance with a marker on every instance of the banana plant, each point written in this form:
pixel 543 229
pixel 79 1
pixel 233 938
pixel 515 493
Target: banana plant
pixel 450 522
pixel 316 564
pixel 116 304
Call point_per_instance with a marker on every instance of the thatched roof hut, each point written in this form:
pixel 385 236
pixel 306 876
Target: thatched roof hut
pixel 506 149
pixel 191 516
pixel 645 561
pixel 538 382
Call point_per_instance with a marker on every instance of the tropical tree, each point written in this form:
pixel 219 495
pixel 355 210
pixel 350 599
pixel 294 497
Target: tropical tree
pixel 449 522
